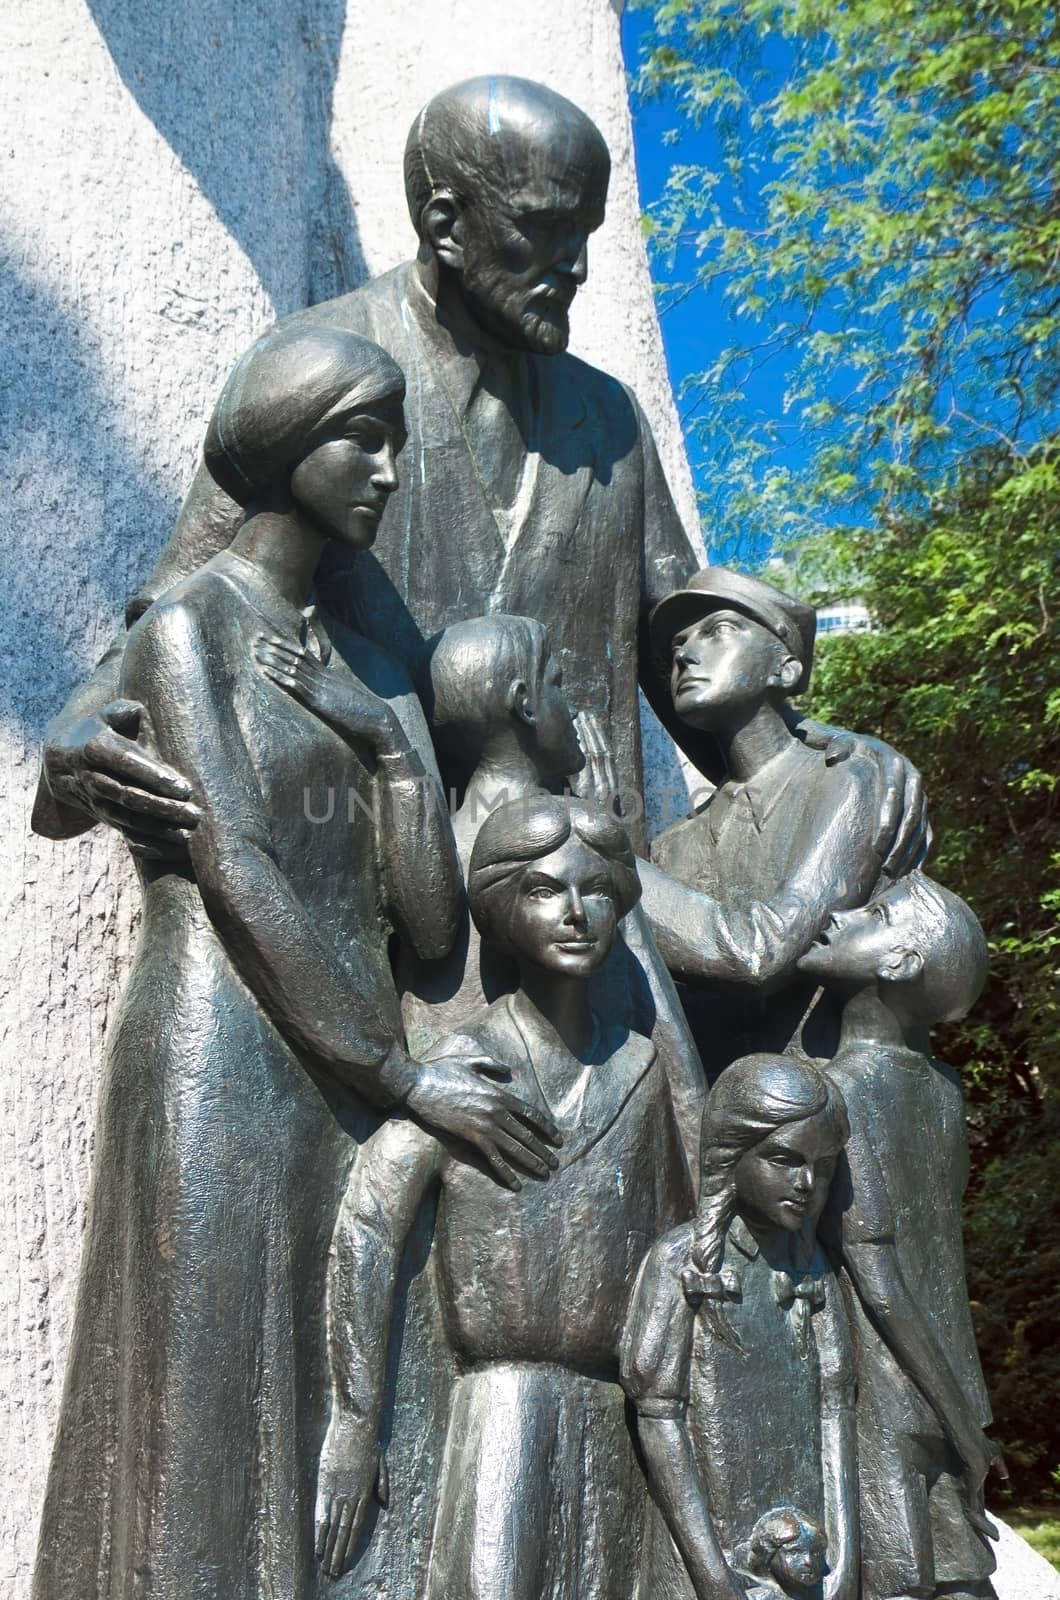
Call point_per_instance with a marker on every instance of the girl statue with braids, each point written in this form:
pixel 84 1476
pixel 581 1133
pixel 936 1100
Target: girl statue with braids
pixel 737 1355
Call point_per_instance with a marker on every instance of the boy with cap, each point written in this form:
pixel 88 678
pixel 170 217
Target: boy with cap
pixel 740 889
pixel 914 956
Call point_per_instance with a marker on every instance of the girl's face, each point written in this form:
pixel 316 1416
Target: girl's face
pixel 783 1181
pixel 563 918
pixel 343 485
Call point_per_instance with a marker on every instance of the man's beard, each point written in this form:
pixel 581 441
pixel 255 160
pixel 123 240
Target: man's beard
pixel 545 336
pixel 509 314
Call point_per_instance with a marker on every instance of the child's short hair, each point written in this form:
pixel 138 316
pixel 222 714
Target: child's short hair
pixel 522 832
pixel 469 668
pixel 953 950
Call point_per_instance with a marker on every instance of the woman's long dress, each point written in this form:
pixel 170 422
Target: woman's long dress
pixel 196 1394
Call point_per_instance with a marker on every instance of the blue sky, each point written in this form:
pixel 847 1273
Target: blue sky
pixel 695 330
pixel 974 402
pixel 698 328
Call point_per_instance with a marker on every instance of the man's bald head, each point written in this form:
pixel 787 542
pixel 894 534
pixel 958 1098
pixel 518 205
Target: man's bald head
pixel 481 131
pixel 505 181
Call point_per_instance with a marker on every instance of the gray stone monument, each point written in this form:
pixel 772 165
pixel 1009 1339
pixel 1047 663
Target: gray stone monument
pixel 295 1208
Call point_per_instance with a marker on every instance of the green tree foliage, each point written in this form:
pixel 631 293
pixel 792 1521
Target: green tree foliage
pixel 883 219
pixel 962 674
pixel 881 212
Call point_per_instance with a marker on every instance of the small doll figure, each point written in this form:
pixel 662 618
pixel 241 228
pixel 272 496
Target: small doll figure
pixel 784 1555
pixel 914 956
pixel 539 1494
pixel 736 1353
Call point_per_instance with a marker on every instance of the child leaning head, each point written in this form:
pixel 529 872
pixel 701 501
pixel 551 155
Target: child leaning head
pixel 493 679
pixel 918 944
pixel 549 882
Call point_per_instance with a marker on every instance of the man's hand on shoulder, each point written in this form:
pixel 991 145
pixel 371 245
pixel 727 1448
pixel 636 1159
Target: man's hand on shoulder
pixel 95 765
pixel 903 837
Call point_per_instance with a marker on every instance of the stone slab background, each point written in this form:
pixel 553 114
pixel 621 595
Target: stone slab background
pixel 173 176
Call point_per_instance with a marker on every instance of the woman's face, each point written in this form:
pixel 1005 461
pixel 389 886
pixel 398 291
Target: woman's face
pixel 783 1181
pixel 564 918
pixel 343 485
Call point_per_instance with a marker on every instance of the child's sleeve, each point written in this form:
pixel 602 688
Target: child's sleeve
pixel 656 1346
pixel 859 1207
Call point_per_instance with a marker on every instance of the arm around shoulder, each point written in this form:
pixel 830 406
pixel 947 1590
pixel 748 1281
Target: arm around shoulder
pixel 94 769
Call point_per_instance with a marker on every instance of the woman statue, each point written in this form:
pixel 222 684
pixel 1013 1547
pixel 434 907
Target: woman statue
pixel 737 1353
pixel 261 994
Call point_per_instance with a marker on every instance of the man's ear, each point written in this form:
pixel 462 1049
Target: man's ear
pixel 442 223
pixel 519 702
pixel 901 966
pixel 789 674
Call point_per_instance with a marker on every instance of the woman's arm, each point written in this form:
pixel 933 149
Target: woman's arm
pixel 391 1175
pixel 421 867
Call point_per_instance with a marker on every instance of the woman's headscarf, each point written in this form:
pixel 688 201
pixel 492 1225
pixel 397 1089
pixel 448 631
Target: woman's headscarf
pixel 282 398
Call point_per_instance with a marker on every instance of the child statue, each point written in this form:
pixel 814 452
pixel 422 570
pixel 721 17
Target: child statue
pixel 501 720
pixel 737 1353
pixel 737 891
pixel 540 1496
pixel 783 1555
pixel 914 956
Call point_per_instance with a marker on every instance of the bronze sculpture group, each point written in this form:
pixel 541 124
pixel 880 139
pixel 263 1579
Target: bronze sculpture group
pixel 421 1261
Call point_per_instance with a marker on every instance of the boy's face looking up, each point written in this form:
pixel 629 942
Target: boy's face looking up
pixel 879 940
pixel 564 914
pixel 725 666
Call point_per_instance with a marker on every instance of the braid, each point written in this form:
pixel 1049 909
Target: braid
pixel 752 1099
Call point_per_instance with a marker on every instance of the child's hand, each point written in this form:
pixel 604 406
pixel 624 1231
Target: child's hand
pixel 355 712
pixel 351 1468
pixel 597 781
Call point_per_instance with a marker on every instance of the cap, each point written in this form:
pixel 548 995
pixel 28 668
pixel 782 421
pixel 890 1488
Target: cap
pixel 722 589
